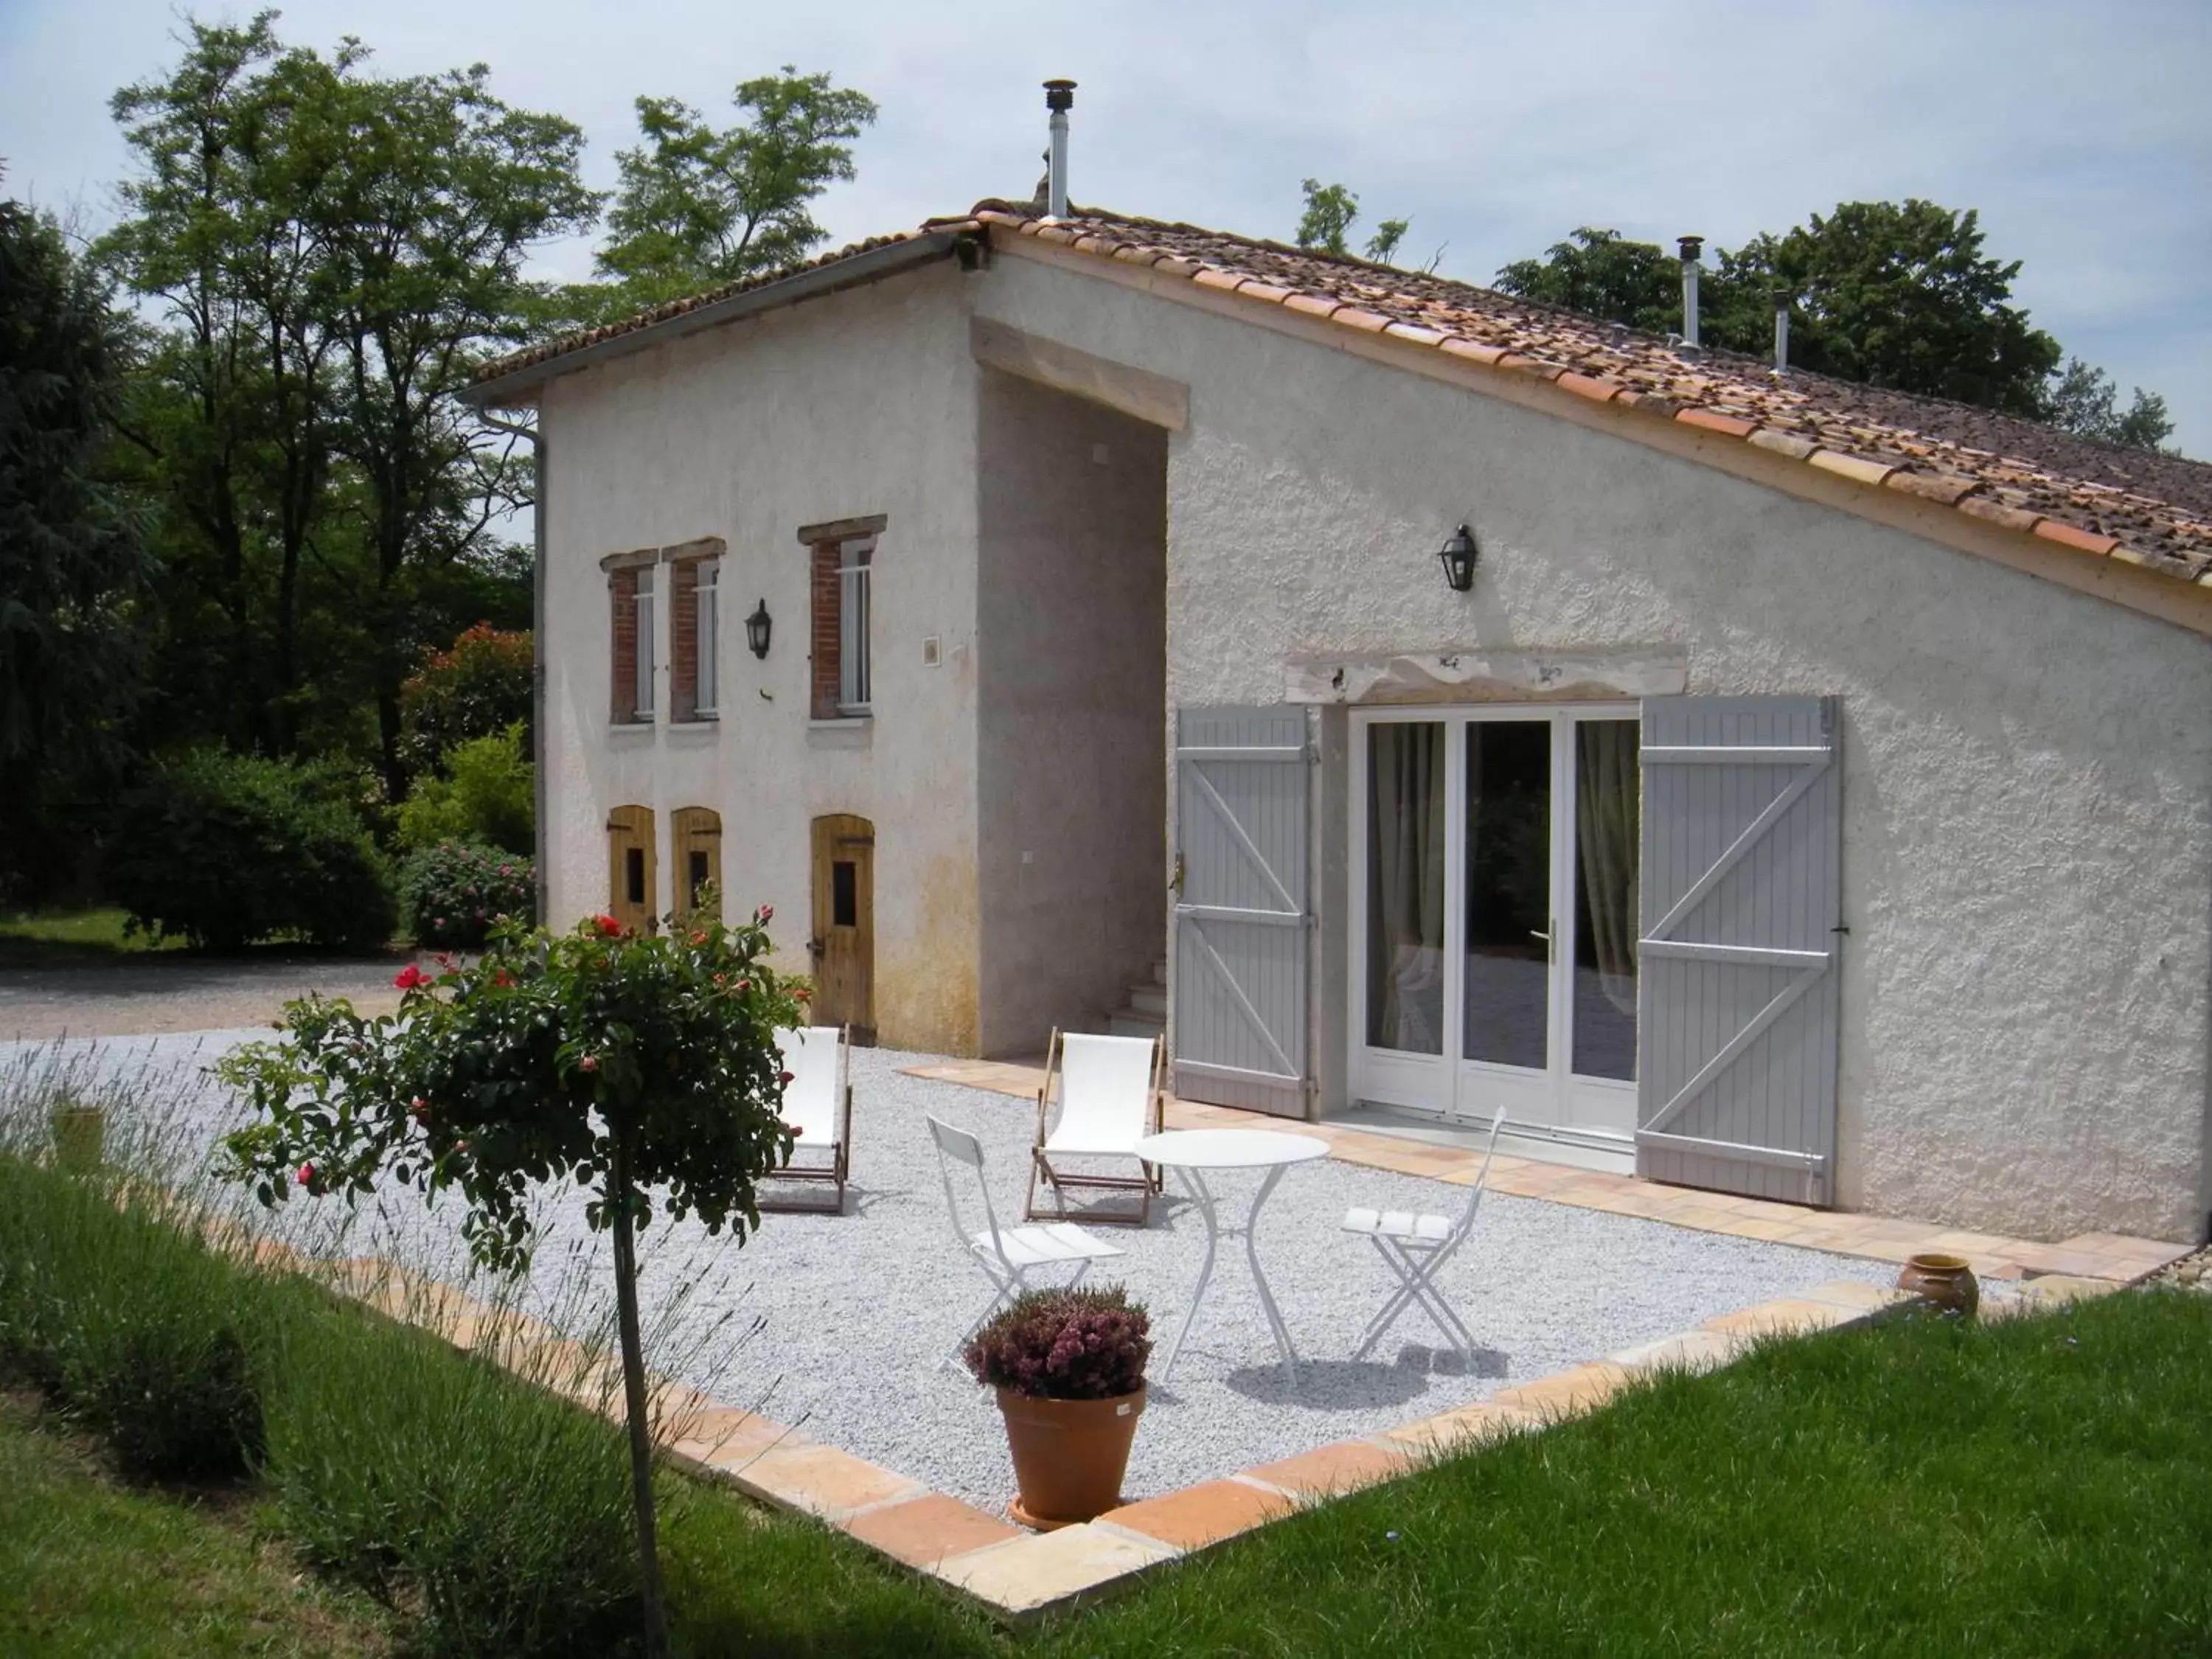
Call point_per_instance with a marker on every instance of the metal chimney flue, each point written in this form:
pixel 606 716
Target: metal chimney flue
pixel 1781 330
pixel 1691 246
pixel 1059 98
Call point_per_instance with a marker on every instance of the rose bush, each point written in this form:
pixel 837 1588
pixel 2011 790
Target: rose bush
pixel 643 1069
pixel 455 893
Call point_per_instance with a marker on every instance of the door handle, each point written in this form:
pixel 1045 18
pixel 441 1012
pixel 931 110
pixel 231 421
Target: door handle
pixel 1175 881
pixel 815 948
pixel 1547 938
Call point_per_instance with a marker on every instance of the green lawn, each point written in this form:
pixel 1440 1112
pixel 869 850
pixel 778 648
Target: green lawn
pixel 2041 1487
pixel 90 1567
pixel 55 938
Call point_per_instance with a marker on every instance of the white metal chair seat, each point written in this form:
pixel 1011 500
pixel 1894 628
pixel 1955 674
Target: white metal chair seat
pixel 1008 1255
pixel 1399 1225
pixel 1038 1246
pixel 1102 1095
pixel 1415 1248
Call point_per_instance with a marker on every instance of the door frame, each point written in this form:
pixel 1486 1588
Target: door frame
pixel 824 835
pixel 1556 1103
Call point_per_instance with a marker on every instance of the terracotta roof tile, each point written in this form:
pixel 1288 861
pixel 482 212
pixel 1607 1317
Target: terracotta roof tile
pixel 2144 508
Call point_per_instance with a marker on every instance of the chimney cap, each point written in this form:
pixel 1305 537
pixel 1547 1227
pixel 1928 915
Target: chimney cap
pixel 1691 246
pixel 1059 95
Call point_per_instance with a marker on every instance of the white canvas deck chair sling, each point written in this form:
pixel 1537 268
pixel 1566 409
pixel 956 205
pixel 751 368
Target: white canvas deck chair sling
pixel 1108 1099
pixel 1007 1256
pixel 818 1101
pixel 1416 1247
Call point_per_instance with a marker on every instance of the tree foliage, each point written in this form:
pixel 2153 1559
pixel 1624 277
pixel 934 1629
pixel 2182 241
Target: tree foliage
pixel 2084 400
pixel 331 253
pixel 73 569
pixel 1601 273
pixel 621 1063
pixel 478 687
pixel 697 207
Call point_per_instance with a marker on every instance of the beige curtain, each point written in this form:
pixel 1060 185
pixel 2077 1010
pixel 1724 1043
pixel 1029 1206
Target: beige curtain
pixel 1605 827
pixel 1406 887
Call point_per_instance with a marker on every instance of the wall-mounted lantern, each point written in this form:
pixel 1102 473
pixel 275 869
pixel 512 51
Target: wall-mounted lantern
pixel 1459 554
pixel 757 627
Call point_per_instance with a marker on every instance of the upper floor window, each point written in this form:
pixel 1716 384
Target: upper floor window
pixel 710 591
pixel 632 659
pixel 642 681
pixel 843 557
pixel 693 574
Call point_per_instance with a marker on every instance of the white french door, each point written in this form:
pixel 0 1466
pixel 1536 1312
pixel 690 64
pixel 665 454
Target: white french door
pixel 1494 876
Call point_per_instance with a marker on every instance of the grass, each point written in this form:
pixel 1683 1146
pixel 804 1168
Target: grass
pixel 62 938
pixel 2031 1487
pixel 90 1565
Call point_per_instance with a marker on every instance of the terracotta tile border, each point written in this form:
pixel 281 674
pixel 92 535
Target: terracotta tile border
pixel 1017 1575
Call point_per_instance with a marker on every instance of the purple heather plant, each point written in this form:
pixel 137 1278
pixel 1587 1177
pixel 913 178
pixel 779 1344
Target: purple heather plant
pixel 1065 1345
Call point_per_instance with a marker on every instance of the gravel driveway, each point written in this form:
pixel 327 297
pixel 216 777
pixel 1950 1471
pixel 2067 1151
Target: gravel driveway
pixel 844 1324
pixel 173 992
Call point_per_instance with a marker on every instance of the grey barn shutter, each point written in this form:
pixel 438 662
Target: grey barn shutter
pixel 1742 922
pixel 1240 915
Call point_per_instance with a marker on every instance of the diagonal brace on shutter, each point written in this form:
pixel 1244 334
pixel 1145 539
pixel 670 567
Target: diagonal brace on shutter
pixel 1244 844
pixel 1244 1004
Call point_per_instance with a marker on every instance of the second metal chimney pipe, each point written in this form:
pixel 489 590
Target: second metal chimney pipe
pixel 1690 246
pixel 1059 98
pixel 1781 332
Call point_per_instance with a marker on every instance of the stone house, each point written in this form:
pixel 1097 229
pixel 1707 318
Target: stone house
pixel 1443 704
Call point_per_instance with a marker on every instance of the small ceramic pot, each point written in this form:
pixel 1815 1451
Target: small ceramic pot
pixel 1069 1454
pixel 1944 1281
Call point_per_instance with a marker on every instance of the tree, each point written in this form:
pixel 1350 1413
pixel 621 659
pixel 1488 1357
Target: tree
pixel 624 1064
pixel 73 570
pixel 1327 222
pixel 1601 273
pixel 333 253
pixel 697 208
pixel 2085 401
pixel 479 689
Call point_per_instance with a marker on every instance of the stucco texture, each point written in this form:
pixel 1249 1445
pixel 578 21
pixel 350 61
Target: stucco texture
pixel 1072 790
pixel 2027 785
pixel 860 404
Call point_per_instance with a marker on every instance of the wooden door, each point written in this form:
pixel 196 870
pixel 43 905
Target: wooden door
pixel 631 877
pixel 695 835
pixel 844 942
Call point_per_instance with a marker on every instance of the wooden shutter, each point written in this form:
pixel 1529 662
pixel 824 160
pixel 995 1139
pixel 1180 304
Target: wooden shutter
pixel 1241 917
pixel 633 882
pixel 1742 924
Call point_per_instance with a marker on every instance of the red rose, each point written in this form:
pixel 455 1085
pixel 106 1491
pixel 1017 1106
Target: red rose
pixel 502 978
pixel 608 926
pixel 803 994
pixel 784 1078
pixel 765 915
pixel 419 1109
pixel 412 976
pixel 307 1174
pixel 588 1063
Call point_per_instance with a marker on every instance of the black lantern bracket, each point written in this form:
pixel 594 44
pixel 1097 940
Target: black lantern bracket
pixel 758 626
pixel 1459 555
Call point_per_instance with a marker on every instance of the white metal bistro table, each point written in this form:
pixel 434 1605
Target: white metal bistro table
pixel 1190 1153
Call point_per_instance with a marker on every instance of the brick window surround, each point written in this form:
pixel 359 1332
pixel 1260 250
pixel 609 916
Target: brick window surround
pixel 684 562
pixel 826 547
pixel 622 572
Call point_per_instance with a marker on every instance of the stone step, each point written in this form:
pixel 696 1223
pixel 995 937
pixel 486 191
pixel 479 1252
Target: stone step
pixel 1160 971
pixel 1123 1021
pixel 1151 1000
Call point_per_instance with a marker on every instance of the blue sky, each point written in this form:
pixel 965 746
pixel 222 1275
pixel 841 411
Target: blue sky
pixel 2080 132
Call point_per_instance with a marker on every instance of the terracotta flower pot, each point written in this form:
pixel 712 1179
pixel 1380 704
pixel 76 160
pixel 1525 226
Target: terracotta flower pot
pixel 1069 1454
pixel 1944 1281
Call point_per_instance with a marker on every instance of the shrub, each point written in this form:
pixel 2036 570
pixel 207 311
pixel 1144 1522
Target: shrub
pixel 455 893
pixel 1065 1345
pixel 487 794
pixel 479 689
pixel 224 849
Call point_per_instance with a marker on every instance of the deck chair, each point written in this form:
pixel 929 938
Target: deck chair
pixel 1007 1256
pixel 1108 1099
pixel 818 1101
pixel 1416 1247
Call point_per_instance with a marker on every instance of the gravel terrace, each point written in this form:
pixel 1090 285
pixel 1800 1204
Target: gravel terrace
pixel 175 991
pixel 843 1324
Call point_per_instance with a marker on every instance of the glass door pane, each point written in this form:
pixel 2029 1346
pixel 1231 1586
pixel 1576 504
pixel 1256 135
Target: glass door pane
pixel 1406 887
pixel 1606 898
pixel 1509 892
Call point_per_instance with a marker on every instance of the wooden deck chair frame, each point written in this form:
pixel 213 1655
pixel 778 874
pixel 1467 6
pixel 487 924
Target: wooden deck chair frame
pixel 833 1173
pixel 1041 1168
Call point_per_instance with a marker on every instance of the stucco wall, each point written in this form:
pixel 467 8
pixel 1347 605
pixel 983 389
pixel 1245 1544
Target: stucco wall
pixel 2027 770
pixel 1071 797
pixel 861 403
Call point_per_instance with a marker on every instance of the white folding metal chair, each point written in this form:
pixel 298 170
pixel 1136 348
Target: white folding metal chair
pixel 817 1102
pixel 1417 1247
pixel 1007 1256
pixel 1108 1100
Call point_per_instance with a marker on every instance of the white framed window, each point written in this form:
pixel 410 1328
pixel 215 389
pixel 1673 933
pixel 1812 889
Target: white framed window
pixel 852 606
pixel 708 594
pixel 642 701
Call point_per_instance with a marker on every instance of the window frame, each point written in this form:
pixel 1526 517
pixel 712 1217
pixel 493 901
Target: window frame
pixel 855 615
pixel 644 700
pixel 705 616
